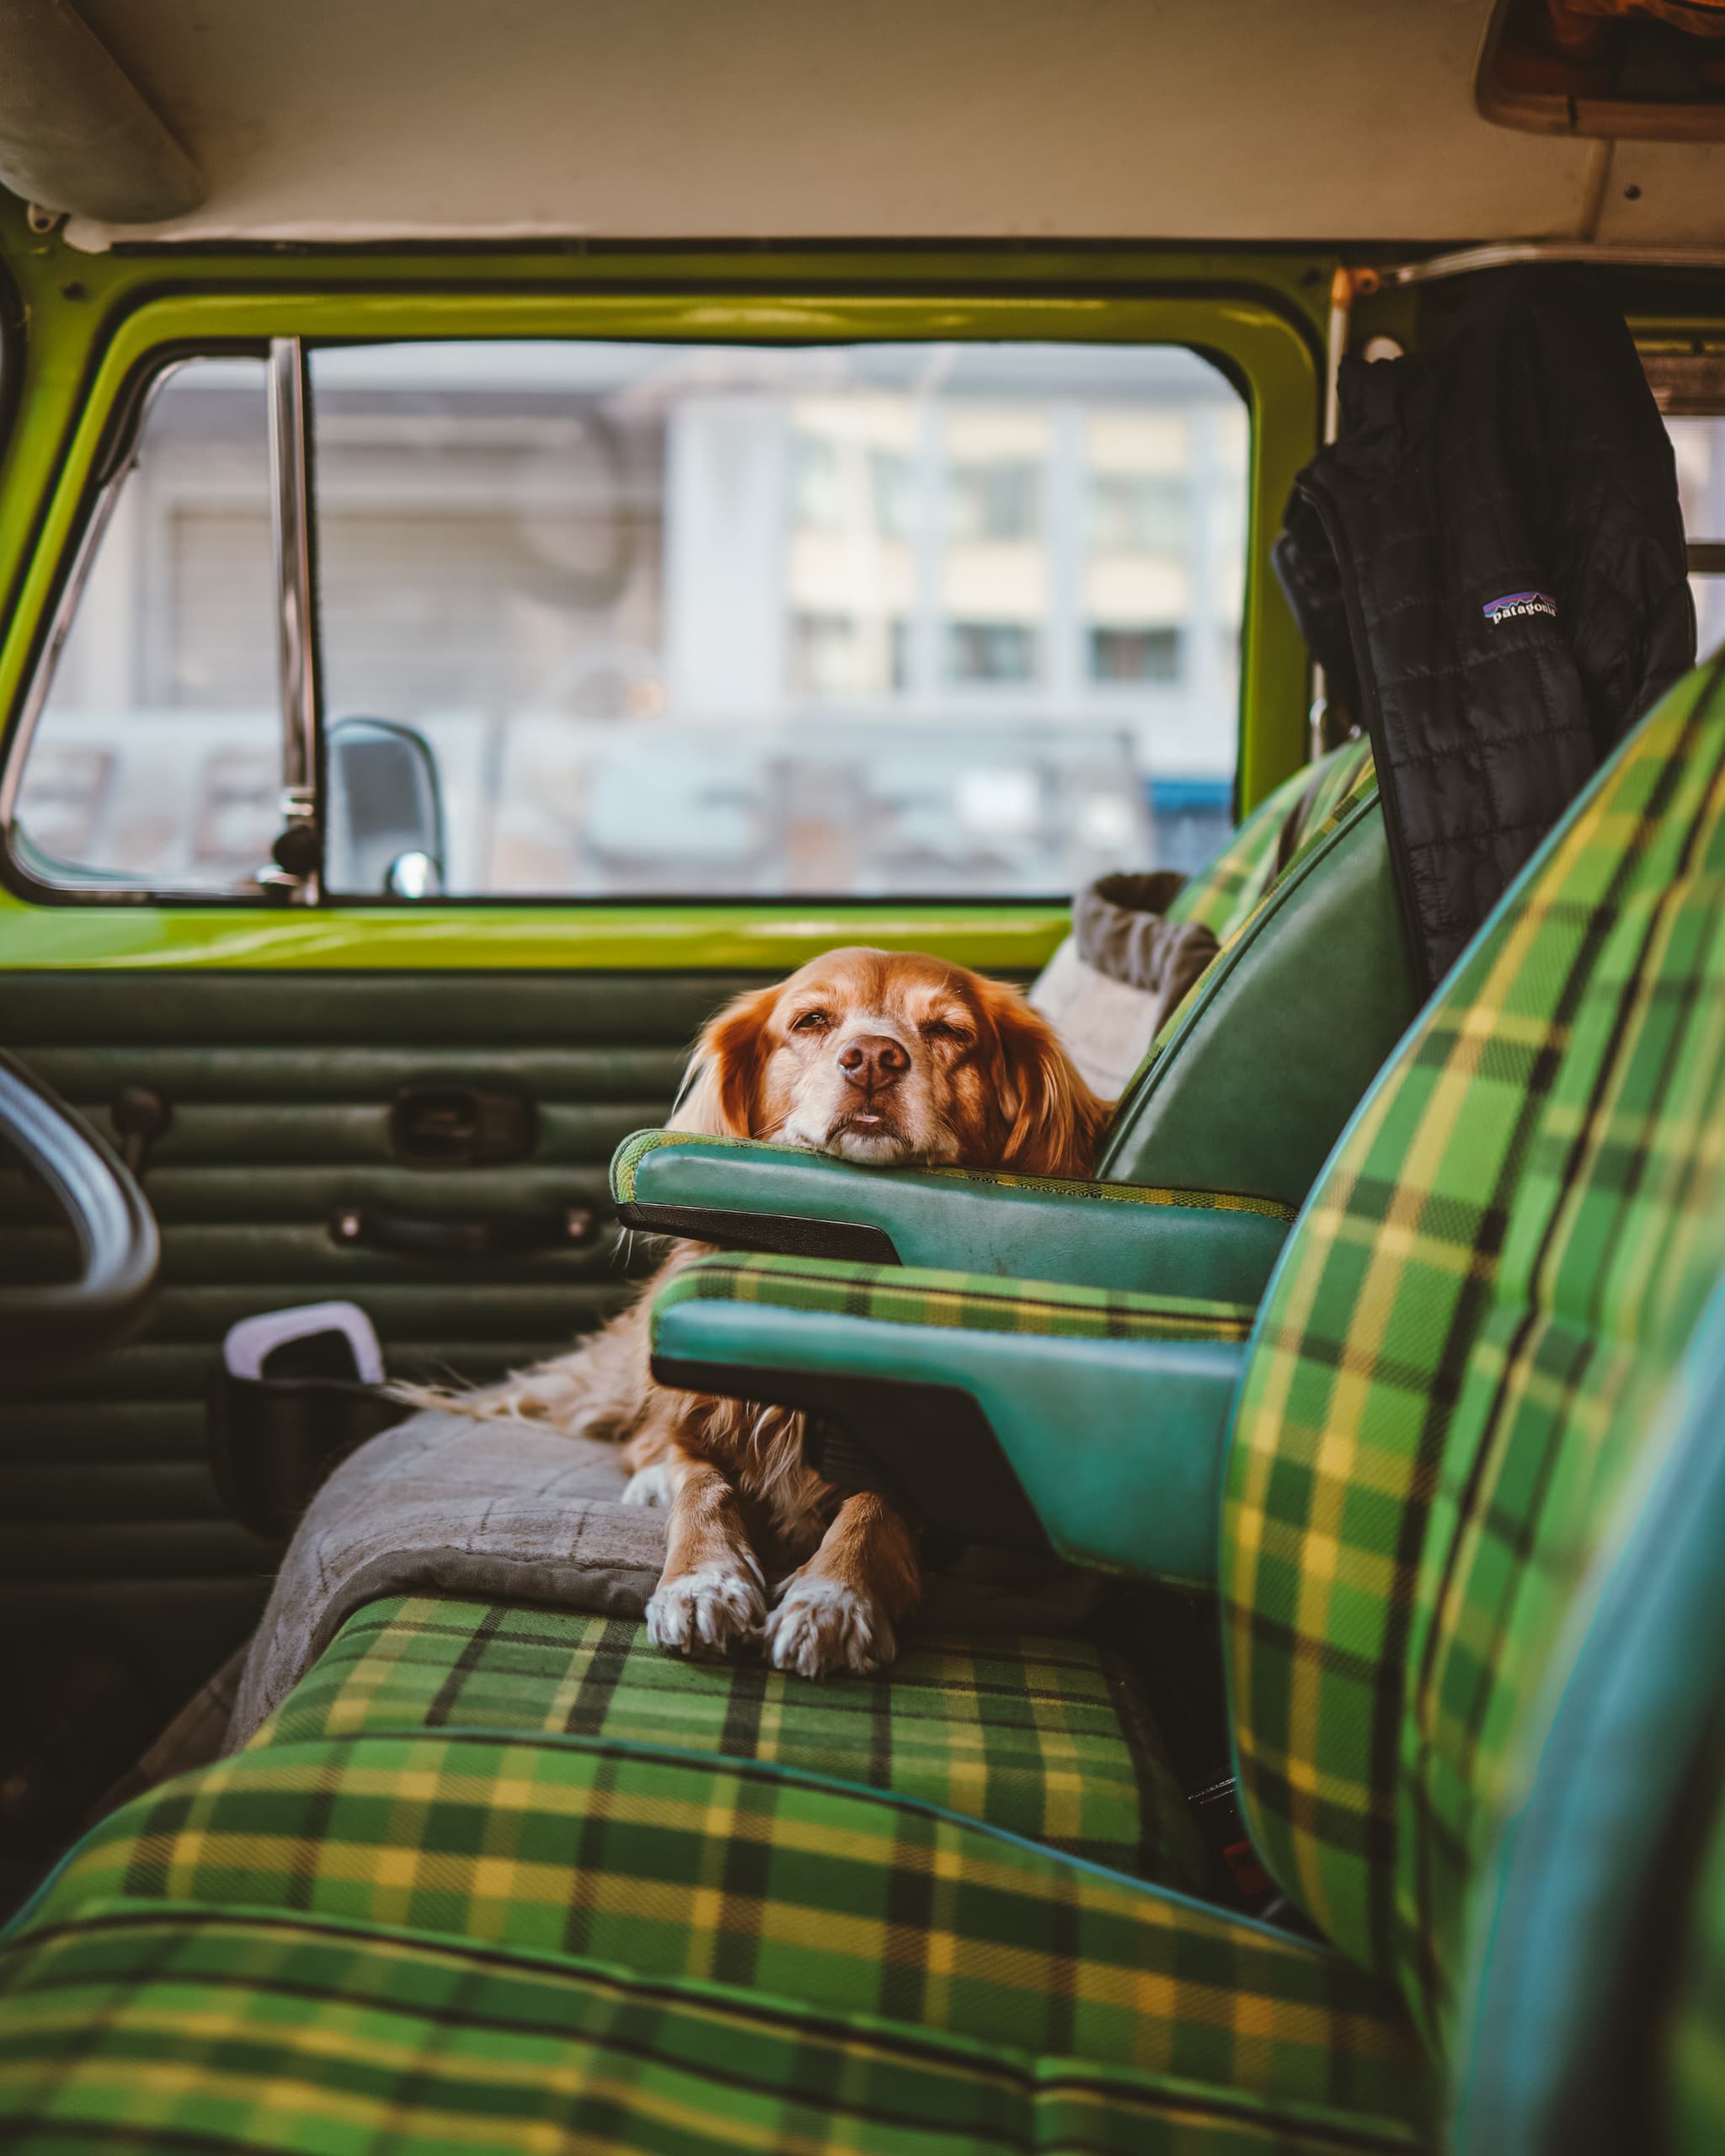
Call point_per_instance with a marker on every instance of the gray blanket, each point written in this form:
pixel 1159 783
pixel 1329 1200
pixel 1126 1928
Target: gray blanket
pixel 441 1504
pixel 502 1512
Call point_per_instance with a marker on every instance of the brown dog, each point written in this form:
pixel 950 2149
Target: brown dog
pixel 885 1058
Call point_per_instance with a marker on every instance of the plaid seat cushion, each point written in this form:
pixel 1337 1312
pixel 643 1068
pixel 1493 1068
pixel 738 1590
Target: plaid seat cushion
pixel 671 1872
pixel 205 2031
pixel 973 1302
pixel 1462 1357
pixel 1045 1738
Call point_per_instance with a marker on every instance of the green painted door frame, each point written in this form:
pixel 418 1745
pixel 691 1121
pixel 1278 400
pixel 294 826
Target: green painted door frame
pixel 88 326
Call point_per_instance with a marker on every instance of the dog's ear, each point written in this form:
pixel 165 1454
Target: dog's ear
pixel 723 1100
pixel 1054 1123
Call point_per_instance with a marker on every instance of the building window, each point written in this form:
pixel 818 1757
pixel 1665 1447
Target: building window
pixel 823 654
pixel 996 502
pixel 991 652
pixel 817 482
pixel 890 476
pixel 1138 513
pixel 1147 654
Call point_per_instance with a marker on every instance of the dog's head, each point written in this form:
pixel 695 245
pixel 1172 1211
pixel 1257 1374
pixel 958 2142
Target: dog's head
pixel 893 1059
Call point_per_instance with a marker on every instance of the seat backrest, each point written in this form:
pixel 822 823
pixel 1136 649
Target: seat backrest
pixel 1223 895
pixel 1595 1927
pixel 1459 1359
pixel 1247 1086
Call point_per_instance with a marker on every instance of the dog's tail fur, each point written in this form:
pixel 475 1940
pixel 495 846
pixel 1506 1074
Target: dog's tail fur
pixel 599 1391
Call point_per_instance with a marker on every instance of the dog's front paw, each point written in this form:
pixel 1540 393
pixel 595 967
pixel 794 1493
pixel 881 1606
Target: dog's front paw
pixel 649 1485
pixel 705 1611
pixel 820 1625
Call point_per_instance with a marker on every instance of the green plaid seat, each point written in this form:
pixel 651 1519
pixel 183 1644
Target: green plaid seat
pixel 275 1915
pixel 1224 895
pixel 1458 1368
pixel 1228 894
pixel 1045 1737
pixel 194 2031
pixel 1455 1383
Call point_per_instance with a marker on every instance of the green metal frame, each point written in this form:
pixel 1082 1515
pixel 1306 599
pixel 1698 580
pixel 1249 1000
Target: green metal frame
pixel 92 322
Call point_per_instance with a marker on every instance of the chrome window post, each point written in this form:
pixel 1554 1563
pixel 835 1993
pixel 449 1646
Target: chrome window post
pixel 298 849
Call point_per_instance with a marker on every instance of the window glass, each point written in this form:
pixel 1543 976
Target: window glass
pixel 1699 442
pixel 715 621
pixel 157 758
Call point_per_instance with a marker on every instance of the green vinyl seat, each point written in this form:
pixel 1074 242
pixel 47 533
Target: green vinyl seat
pixel 1212 1147
pixel 1471 1504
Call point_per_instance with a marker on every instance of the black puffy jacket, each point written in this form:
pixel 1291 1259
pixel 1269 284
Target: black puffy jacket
pixel 1489 565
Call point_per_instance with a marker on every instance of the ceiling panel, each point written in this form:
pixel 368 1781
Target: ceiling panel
pixel 1015 119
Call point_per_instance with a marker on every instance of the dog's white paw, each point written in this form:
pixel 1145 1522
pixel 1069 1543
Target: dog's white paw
pixel 820 1626
pixel 705 1611
pixel 649 1485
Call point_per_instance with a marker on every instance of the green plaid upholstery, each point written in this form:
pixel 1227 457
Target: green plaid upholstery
pixel 1225 893
pixel 1046 1737
pixel 680 1870
pixel 972 1302
pixel 1460 1357
pixel 1693 2033
pixel 1237 887
pixel 204 2031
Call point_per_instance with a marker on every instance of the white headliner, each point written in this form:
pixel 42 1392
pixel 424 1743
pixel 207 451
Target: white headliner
pixel 1024 120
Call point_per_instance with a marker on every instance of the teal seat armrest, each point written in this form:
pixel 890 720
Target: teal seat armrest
pixel 1114 1446
pixel 744 1196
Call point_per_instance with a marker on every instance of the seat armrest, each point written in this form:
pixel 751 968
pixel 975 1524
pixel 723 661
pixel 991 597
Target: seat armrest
pixel 746 1196
pixel 1109 1450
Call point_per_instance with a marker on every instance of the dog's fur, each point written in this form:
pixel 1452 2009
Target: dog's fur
pixel 889 1059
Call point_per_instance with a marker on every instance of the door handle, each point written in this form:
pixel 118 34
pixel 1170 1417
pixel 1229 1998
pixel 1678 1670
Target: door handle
pixel 412 1235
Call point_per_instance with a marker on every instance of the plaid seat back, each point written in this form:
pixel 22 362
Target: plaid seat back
pixel 1224 894
pixel 1459 1358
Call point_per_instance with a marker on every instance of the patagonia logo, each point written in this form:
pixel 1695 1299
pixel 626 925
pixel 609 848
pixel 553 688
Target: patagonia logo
pixel 1516 606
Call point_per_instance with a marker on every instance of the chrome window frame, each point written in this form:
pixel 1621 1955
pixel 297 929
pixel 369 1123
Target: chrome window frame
pixel 298 688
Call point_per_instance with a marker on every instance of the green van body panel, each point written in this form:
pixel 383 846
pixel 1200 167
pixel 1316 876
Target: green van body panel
pixel 94 322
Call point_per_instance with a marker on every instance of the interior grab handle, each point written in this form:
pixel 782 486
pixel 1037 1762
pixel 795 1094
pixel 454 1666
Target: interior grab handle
pixel 412 1235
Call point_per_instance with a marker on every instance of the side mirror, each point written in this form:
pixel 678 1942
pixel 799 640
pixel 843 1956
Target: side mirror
pixel 384 830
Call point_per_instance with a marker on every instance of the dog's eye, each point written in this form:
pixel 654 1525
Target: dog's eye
pixel 812 1022
pixel 943 1029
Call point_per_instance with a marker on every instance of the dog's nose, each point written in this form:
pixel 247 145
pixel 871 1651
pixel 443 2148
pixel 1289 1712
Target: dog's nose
pixel 873 1059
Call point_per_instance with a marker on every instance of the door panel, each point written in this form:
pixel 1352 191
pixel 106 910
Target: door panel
pixel 281 1086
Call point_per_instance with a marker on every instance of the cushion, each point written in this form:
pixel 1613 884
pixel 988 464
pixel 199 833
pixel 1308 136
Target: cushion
pixel 205 2030
pixel 666 1876
pixel 1046 1737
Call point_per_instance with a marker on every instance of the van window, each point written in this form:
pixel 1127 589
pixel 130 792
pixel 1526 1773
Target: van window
pixel 891 619
pixel 1699 444
pixel 156 760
